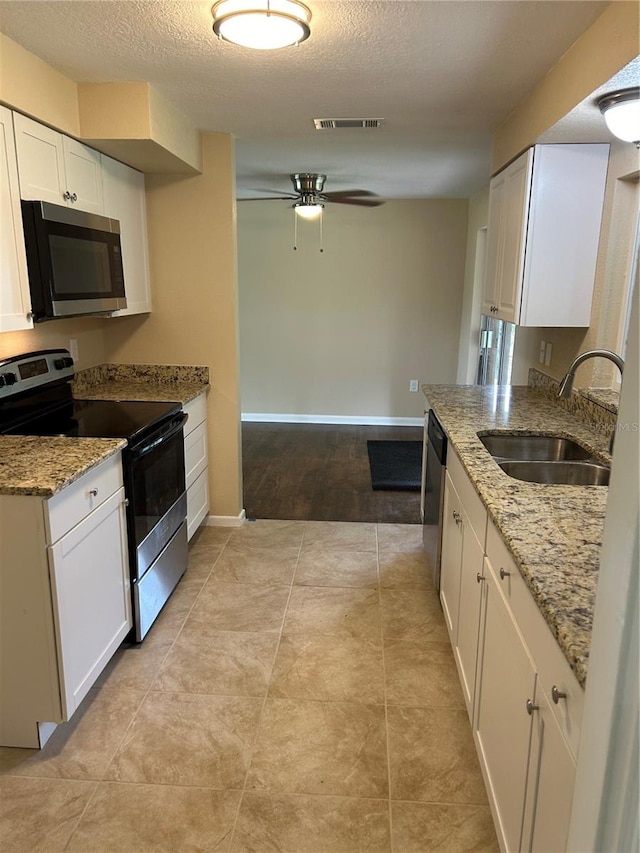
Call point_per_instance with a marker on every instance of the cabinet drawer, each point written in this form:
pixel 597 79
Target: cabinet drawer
pixel 469 498
pixel 64 510
pixel 552 667
pixel 195 453
pixel 197 411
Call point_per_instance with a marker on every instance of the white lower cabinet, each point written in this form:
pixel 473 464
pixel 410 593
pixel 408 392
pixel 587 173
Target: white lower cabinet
pixel 524 701
pixel 196 462
pixel 502 730
pixel 66 599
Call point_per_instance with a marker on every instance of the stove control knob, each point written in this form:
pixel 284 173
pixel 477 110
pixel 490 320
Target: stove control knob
pixel 2 382
pixel 58 363
pixel 68 361
pixel 9 378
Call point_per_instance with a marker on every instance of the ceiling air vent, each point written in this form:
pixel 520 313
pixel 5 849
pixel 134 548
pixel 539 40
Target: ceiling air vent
pixel 335 123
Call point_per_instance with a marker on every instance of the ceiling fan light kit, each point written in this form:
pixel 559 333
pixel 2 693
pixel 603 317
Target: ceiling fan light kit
pixel 621 111
pixel 308 209
pixel 261 24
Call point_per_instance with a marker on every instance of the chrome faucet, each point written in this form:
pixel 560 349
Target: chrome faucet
pixel 566 386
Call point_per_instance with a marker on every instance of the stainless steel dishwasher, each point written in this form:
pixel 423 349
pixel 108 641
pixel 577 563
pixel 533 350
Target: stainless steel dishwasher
pixel 433 492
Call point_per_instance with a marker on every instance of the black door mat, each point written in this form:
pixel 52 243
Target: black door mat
pixel 395 465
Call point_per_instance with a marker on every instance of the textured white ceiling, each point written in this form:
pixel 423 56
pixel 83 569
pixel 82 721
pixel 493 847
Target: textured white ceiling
pixel 443 73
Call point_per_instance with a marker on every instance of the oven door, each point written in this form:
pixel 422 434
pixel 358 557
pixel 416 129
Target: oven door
pixel 155 486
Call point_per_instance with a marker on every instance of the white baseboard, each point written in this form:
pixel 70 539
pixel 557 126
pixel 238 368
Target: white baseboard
pixel 364 420
pixel 226 520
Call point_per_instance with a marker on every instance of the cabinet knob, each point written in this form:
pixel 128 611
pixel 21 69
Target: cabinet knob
pixel 479 577
pixel 67 197
pixel 74 197
pixel 557 695
pixel 531 707
pixel 93 493
pixel 457 517
pixel 504 574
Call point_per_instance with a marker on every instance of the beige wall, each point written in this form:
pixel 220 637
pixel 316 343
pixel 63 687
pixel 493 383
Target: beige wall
pixel 191 224
pixel 473 287
pixel 609 44
pixel 87 331
pixel 342 332
pixel 30 85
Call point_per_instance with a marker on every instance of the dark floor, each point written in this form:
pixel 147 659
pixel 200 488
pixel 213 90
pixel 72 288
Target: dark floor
pixel 319 472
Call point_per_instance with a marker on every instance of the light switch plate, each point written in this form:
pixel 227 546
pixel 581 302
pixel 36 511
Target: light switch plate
pixel 547 354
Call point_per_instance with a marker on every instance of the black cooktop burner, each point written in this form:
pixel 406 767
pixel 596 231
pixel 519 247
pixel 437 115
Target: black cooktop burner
pixel 97 419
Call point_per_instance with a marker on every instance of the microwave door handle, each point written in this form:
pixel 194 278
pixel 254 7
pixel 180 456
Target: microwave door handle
pixel 139 452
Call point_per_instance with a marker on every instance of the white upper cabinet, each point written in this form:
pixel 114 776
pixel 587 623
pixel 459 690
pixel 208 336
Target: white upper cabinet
pixel 124 200
pixel 56 168
pixel 545 212
pixel 15 302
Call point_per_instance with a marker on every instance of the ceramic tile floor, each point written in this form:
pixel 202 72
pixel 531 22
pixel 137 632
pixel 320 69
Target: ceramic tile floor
pixel 298 694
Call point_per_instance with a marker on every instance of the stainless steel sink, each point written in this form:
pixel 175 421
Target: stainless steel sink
pixel 574 473
pixel 534 447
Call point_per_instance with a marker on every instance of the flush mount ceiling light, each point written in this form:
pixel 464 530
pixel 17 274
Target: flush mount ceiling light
pixel 261 24
pixel 621 111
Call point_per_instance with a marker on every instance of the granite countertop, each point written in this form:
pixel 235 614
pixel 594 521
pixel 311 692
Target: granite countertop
pixel 553 532
pixel 36 465
pixel 147 382
pixel 33 465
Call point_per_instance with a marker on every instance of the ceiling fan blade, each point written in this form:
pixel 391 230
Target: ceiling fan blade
pixel 363 202
pixel 271 198
pixel 337 193
pixel 275 192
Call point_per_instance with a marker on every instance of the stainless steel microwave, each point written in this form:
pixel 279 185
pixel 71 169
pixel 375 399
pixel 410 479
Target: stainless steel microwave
pixel 74 261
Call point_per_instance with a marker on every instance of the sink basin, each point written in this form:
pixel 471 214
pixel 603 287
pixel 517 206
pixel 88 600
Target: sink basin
pixel 534 447
pixel 572 473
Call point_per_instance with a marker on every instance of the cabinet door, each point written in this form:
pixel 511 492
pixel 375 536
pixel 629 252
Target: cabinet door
pixel 495 246
pixel 517 189
pixel 550 784
pixel 40 161
pixel 451 558
pixel 15 301
pixel 124 200
pixel 466 650
pixel 506 679
pixel 83 168
pixel 91 597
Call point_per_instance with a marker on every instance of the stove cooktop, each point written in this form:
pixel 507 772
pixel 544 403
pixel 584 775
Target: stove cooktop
pixel 97 419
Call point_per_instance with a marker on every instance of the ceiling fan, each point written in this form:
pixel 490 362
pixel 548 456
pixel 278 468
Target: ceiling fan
pixel 308 196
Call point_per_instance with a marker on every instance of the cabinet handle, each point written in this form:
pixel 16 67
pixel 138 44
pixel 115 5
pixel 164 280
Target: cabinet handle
pixel 126 502
pixel 531 707
pixel 504 574
pixel 557 695
pixel 93 493
pixel 479 577
pixel 457 517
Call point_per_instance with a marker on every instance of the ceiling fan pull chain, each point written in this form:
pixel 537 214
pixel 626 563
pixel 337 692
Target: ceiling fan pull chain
pixel 295 231
pixel 321 233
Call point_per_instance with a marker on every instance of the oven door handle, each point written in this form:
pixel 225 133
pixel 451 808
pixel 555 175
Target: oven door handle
pixel 175 427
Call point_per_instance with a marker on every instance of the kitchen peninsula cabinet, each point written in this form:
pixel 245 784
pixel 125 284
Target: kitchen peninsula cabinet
pixel 15 301
pixel 545 212
pixel 66 600
pixel 56 168
pixel 524 702
pixel 124 200
pixel 196 463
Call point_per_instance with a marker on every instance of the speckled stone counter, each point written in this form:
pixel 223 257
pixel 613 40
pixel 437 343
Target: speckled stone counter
pixel 155 382
pixel 33 465
pixel 553 532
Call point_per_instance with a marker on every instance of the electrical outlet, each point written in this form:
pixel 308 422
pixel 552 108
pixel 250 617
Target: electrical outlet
pixel 73 349
pixel 543 350
pixel 547 354
pixel 413 385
